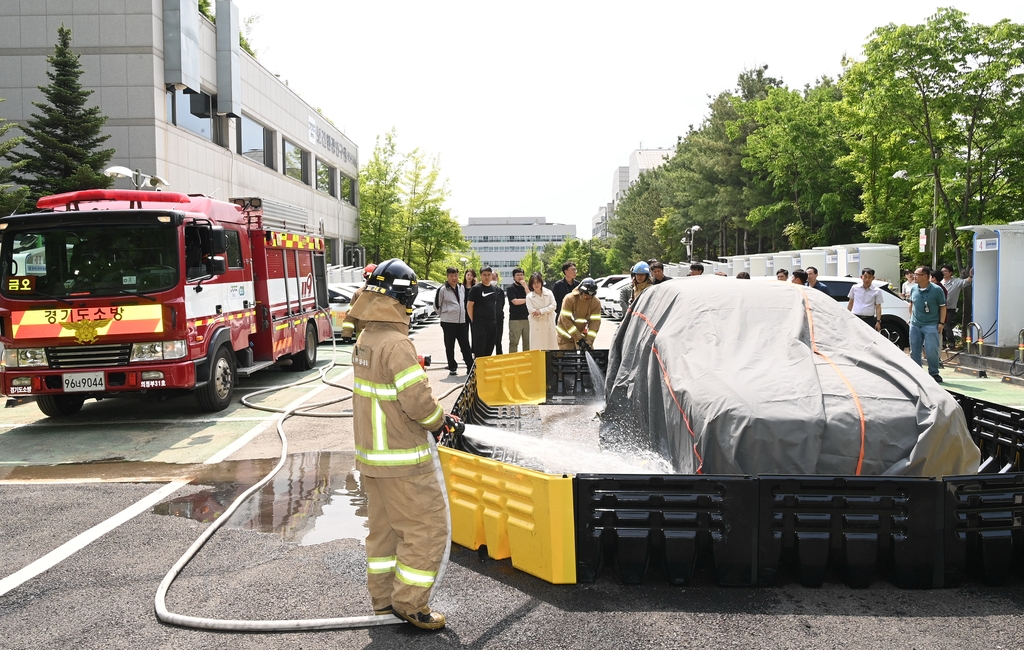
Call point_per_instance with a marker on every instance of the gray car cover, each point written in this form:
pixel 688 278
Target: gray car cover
pixel 729 376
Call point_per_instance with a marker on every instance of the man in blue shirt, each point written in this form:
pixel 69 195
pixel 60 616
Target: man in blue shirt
pixel 927 315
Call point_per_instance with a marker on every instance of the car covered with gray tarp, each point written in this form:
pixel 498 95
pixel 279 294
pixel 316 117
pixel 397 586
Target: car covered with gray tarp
pixel 728 376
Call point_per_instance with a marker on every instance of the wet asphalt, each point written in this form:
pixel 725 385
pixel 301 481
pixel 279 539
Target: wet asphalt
pixel 295 553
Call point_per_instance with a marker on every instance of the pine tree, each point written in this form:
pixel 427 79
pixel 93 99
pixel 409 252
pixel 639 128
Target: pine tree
pixel 10 200
pixel 62 142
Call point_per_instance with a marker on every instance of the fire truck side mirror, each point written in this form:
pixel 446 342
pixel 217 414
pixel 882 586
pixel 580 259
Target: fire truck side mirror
pixel 216 265
pixel 215 240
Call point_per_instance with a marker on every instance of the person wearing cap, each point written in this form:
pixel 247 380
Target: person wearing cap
pixel 580 317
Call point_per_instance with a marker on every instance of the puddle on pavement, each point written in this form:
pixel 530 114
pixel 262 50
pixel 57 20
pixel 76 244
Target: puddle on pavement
pixel 315 498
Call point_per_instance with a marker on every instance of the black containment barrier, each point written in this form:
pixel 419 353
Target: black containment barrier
pixel 851 525
pixel 914 532
pixel 569 378
pixel 632 522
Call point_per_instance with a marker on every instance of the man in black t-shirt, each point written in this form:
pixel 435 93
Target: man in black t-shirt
pixel 482 308
pixel 564 287
pixel 518 314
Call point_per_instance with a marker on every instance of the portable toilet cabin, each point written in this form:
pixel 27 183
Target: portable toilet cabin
pixel 998 286
pixel 759 266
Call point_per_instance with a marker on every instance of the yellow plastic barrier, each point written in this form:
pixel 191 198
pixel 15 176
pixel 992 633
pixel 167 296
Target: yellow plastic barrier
pixel 516 512
pixel 505 379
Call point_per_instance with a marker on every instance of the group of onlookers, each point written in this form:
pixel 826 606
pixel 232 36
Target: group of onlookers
pixel 472 313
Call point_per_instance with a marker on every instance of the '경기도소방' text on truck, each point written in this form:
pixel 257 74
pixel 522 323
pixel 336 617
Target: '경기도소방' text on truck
pixel 112 292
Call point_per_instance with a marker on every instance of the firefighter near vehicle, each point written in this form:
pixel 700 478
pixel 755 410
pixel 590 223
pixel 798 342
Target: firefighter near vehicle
pixel 116 292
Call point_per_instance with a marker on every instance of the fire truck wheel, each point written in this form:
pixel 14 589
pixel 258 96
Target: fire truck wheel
pixel 307 358
pixel 59 406
pixel 216 394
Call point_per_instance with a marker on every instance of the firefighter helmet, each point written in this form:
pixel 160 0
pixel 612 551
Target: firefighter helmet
pixel 588 286
pixel 368 271
pixel 394 278
pixel 641 268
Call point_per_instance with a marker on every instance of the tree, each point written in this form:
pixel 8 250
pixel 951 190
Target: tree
pixel 635 216
pixel 10 200
pixel 380 203
pixel 423 193
pixel 62 141
pixel 796 148
pixel 435 234
pixel 942 100
pixel 531 262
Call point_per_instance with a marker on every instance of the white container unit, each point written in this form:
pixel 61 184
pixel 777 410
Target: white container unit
pixel 815 258
pixel 831 266
pixel 759 266
pixel 788 260
pixel 998 282
pixel 883 258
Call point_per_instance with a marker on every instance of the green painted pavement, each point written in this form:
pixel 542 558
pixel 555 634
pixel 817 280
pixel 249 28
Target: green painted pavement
pixel 991 389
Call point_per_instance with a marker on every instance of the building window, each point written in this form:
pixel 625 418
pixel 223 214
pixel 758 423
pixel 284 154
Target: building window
pixel 255 141
pixel 295 162
pixel 196 112
pixel 325 178
pixel 348 190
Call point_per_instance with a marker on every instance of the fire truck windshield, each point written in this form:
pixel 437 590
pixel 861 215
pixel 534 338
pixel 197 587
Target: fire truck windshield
pixel 89 260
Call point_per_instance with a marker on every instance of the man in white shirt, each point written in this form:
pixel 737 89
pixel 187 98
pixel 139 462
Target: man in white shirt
pixel 866 301
pixel 908 274
pixel 952 285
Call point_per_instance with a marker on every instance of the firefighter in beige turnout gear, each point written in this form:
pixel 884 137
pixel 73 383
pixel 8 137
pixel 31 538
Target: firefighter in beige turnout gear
pixel 350 327
pixel 580 318
pixel 394 413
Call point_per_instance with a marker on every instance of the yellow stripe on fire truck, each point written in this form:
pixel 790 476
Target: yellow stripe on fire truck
pixel 301 242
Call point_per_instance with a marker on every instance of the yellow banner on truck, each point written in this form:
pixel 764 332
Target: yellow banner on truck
pixel 87 324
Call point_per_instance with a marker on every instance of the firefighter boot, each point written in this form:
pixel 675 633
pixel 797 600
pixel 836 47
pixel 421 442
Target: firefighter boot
pixel 431 621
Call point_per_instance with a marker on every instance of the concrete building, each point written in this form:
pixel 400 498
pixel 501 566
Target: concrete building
pixel 640 160
pixel 185 103
pixel 502 242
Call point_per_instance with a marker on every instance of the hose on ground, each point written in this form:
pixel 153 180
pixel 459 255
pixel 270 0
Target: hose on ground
pixel 278 625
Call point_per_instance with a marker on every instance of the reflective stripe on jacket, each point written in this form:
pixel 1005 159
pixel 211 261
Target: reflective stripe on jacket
pixel 393 408
pixel 579 317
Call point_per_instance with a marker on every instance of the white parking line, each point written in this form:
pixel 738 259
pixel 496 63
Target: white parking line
pixel 69 548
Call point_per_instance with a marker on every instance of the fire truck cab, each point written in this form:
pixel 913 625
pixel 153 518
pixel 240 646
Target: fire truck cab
pixel 110 292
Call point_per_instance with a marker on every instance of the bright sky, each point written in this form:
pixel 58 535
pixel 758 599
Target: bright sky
pixel 532 105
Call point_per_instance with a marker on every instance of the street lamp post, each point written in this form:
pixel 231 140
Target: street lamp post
pixel 688 239
pixel 933 232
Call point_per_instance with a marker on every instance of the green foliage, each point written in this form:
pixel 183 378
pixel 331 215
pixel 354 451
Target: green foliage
pixel 531 262
pixel 11 200
pixel 940 104
pixel 943 100
pixel 402 213
pixel 795 150
pixel 244 36
pixel 62 141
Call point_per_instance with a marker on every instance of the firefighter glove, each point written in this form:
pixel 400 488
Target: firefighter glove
pixel 583 345
pixel 451 431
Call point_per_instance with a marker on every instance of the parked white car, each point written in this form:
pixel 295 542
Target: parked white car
pixel 895 314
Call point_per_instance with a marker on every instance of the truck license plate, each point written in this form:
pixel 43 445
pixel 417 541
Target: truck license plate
pixel 81 382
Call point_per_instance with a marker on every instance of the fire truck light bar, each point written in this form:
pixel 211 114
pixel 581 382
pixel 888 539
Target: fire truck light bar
pixel 136 196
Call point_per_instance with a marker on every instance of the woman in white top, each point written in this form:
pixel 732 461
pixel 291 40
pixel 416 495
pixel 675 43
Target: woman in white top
pixel 541 304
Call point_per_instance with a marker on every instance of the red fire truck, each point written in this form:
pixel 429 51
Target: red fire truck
pixel 110 292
